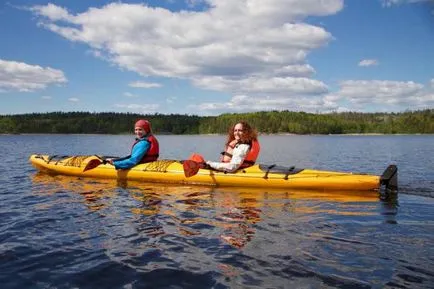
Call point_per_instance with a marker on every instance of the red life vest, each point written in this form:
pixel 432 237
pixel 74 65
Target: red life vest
pixel 153 152
pixel 251 157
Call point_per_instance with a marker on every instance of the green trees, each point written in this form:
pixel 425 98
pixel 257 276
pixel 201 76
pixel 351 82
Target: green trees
pixel 408 122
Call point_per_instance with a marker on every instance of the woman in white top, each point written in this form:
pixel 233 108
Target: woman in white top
pixel 242 149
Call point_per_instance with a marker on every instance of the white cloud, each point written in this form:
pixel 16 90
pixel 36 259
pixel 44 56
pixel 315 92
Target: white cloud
pixel 368 62
pixel 389 3
pixel 245 103
pixel 304 70
pixel 254 50
pixel 384 95
pixel 52 11
pixel 128 94
pixel 145 108
pixel 19 76
pixel 358 90
pixel 141 84
pixel 282 86
pixel 352 95
pixel 73 99
pixel 46 97
pixel 214 48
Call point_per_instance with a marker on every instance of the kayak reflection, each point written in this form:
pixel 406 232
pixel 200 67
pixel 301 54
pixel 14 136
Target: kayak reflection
pixel 229 214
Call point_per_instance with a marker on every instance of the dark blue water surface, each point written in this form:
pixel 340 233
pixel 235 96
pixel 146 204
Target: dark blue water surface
pixel 65 232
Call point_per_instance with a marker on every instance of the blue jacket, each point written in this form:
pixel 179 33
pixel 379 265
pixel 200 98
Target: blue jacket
pixel 137 153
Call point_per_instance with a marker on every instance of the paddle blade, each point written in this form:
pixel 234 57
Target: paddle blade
pixel 190 168
pixel 197 158
pixel 92 164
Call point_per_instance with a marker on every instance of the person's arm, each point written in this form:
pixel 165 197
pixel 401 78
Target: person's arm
pixel 139 150
pixel 238 155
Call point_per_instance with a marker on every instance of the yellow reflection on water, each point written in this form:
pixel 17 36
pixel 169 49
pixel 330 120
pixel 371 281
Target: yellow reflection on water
pixel 93 191
pixel 232 212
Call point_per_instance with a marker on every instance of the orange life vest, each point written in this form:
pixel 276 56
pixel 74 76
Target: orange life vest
pixel 153 152
pixel 251 157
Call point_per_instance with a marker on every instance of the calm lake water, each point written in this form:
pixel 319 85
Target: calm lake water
pixel 65 232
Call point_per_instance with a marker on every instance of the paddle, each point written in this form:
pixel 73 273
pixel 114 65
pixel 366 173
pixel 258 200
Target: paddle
pixel 94 163
pixel 193 165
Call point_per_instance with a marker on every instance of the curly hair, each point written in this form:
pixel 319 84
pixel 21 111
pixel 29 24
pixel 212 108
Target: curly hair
pixel 249 134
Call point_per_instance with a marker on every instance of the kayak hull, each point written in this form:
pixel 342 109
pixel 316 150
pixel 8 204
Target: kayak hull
pixel 171 171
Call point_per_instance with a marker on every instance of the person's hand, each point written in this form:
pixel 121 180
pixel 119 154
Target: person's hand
pixel 206 165
pixel 110 161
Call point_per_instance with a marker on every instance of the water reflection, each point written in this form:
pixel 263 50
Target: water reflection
pixel 156 210
pixel 94 192
pixel 237 234
pixel 389 208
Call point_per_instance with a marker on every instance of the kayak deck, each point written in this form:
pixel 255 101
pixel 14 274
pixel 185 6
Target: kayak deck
pixel 264 176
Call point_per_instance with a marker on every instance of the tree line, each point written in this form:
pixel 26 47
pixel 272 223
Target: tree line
pixel 273 122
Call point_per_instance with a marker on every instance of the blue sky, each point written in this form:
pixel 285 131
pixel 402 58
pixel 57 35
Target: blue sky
pixel 208 57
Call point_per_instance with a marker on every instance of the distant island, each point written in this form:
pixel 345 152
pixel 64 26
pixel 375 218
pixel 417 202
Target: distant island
pixel 267 122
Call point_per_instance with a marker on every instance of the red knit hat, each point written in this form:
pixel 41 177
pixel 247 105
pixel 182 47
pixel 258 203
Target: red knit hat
pixel 143 124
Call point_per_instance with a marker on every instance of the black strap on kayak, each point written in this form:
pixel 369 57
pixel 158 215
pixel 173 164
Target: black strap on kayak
pixel 40 157
pixel 275 169
pixel 58 158
pixel 50 158
pixel 289 172
pixel 268 170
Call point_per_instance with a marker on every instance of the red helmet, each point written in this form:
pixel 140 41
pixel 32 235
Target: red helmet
pixel 146 125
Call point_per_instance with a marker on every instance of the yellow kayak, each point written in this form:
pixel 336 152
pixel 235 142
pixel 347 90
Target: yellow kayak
pixel 259 176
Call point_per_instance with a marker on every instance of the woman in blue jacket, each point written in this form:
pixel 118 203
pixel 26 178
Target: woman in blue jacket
pixel 145 148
